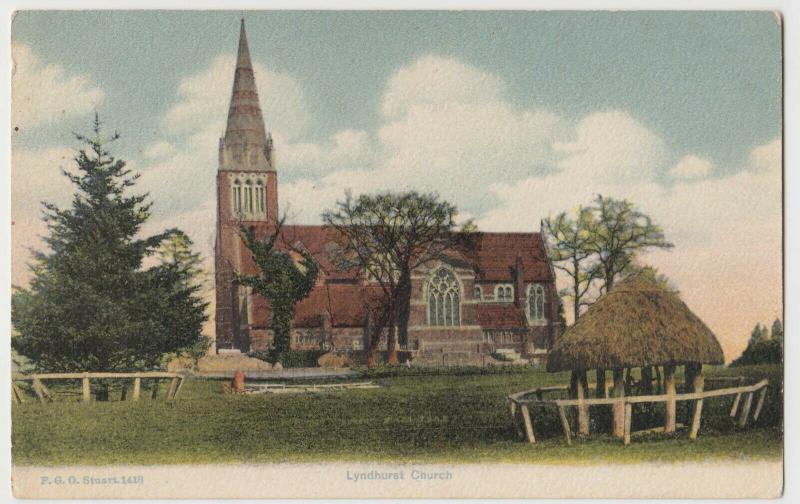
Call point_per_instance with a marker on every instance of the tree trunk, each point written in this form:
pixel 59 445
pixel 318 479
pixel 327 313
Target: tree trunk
pixel 619 407
pixel 403 313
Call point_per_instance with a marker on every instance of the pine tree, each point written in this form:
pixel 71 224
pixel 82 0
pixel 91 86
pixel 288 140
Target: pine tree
pixel 777 331
pixel 91 306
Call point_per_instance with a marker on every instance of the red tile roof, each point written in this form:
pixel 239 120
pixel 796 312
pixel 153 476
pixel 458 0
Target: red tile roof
pixel 341 293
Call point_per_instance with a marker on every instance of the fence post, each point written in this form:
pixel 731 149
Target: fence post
pixel 526 415
pixel 155 389
pixel 760 403
pixel 748 401
pixel 698 383
pixel 86 389
pixel 583 409
pixel 37 387
pixel 564 424
pixel 628 420
pixel 137 387
pixel 737 400
pixel 173 387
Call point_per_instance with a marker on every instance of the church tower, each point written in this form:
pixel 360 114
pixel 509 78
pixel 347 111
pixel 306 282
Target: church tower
pixel 247 194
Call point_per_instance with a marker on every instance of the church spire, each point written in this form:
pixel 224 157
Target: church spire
pixel 245 122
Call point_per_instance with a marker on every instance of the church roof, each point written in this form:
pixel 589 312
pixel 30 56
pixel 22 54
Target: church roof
pixel 245 122
pixel 345 297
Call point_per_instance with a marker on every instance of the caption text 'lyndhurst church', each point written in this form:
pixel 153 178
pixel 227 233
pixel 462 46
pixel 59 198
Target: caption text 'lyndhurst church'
pixel 497 294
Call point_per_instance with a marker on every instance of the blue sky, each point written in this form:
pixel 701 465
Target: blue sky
pixel 513 116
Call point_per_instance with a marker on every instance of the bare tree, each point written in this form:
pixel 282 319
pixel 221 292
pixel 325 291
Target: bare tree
pixel 389 235
pixel 568 241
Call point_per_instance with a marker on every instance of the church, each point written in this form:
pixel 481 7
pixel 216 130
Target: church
pixel 497 295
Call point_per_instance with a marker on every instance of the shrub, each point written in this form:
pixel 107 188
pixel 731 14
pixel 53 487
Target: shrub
pixel 290 358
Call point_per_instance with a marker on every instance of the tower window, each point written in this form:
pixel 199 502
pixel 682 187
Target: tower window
pixel 260 193
pixel 478 293
pixel 444 301
pixel 236 198
pixel 248 196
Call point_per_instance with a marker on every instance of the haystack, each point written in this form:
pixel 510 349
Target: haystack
pixel 637 325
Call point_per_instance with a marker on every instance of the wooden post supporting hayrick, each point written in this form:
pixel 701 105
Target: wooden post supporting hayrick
pixel 669 390
pixel 619 406
pixel 86 389
pixel 659 387
pixel 601 383
pixel 155 389
pixel 628 421
pixel 137 387
pixel 761 396
pixel 748 401
pixel 583 409
pixel 698 382
pixel 565 424
pixel 526 415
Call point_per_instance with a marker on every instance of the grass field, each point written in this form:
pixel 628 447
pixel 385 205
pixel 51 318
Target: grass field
pixel 438 416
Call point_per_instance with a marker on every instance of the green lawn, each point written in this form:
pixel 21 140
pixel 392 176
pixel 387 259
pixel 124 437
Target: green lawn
pixel 445 416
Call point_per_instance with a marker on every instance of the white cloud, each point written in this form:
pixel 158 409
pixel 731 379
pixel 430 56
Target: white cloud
pixel 613 146
pixel 691 167
pixel 433 80
pixel 45 93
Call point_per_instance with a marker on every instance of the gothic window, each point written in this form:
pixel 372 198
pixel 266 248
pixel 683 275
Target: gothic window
pixel 535 302
pixel 478 293
pixel 237 196
pixel 260 204
pixel 504 293
pixel 443 299
pixel 248 196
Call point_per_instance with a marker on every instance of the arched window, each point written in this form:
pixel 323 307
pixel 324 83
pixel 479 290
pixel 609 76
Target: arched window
pixel 260 204
pixel 444 301
pixel 478 293
pixel 236 198
pixel 248 196
pixel 535 302
pixel 504 293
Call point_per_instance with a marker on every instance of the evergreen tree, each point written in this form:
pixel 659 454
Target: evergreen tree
pixel 777 331
pixel 280 281
pixel 91 306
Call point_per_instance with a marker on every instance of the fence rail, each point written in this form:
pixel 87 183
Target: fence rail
pixel 43 393
pixel 521 403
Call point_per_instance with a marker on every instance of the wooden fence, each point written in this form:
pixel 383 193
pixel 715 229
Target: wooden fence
pixel 43 394
pixel 521 405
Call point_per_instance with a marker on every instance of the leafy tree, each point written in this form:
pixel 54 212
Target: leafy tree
pixel 569 241
pixel 620 232
pixel 91 306
pixel 280 281
pixel 389 235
